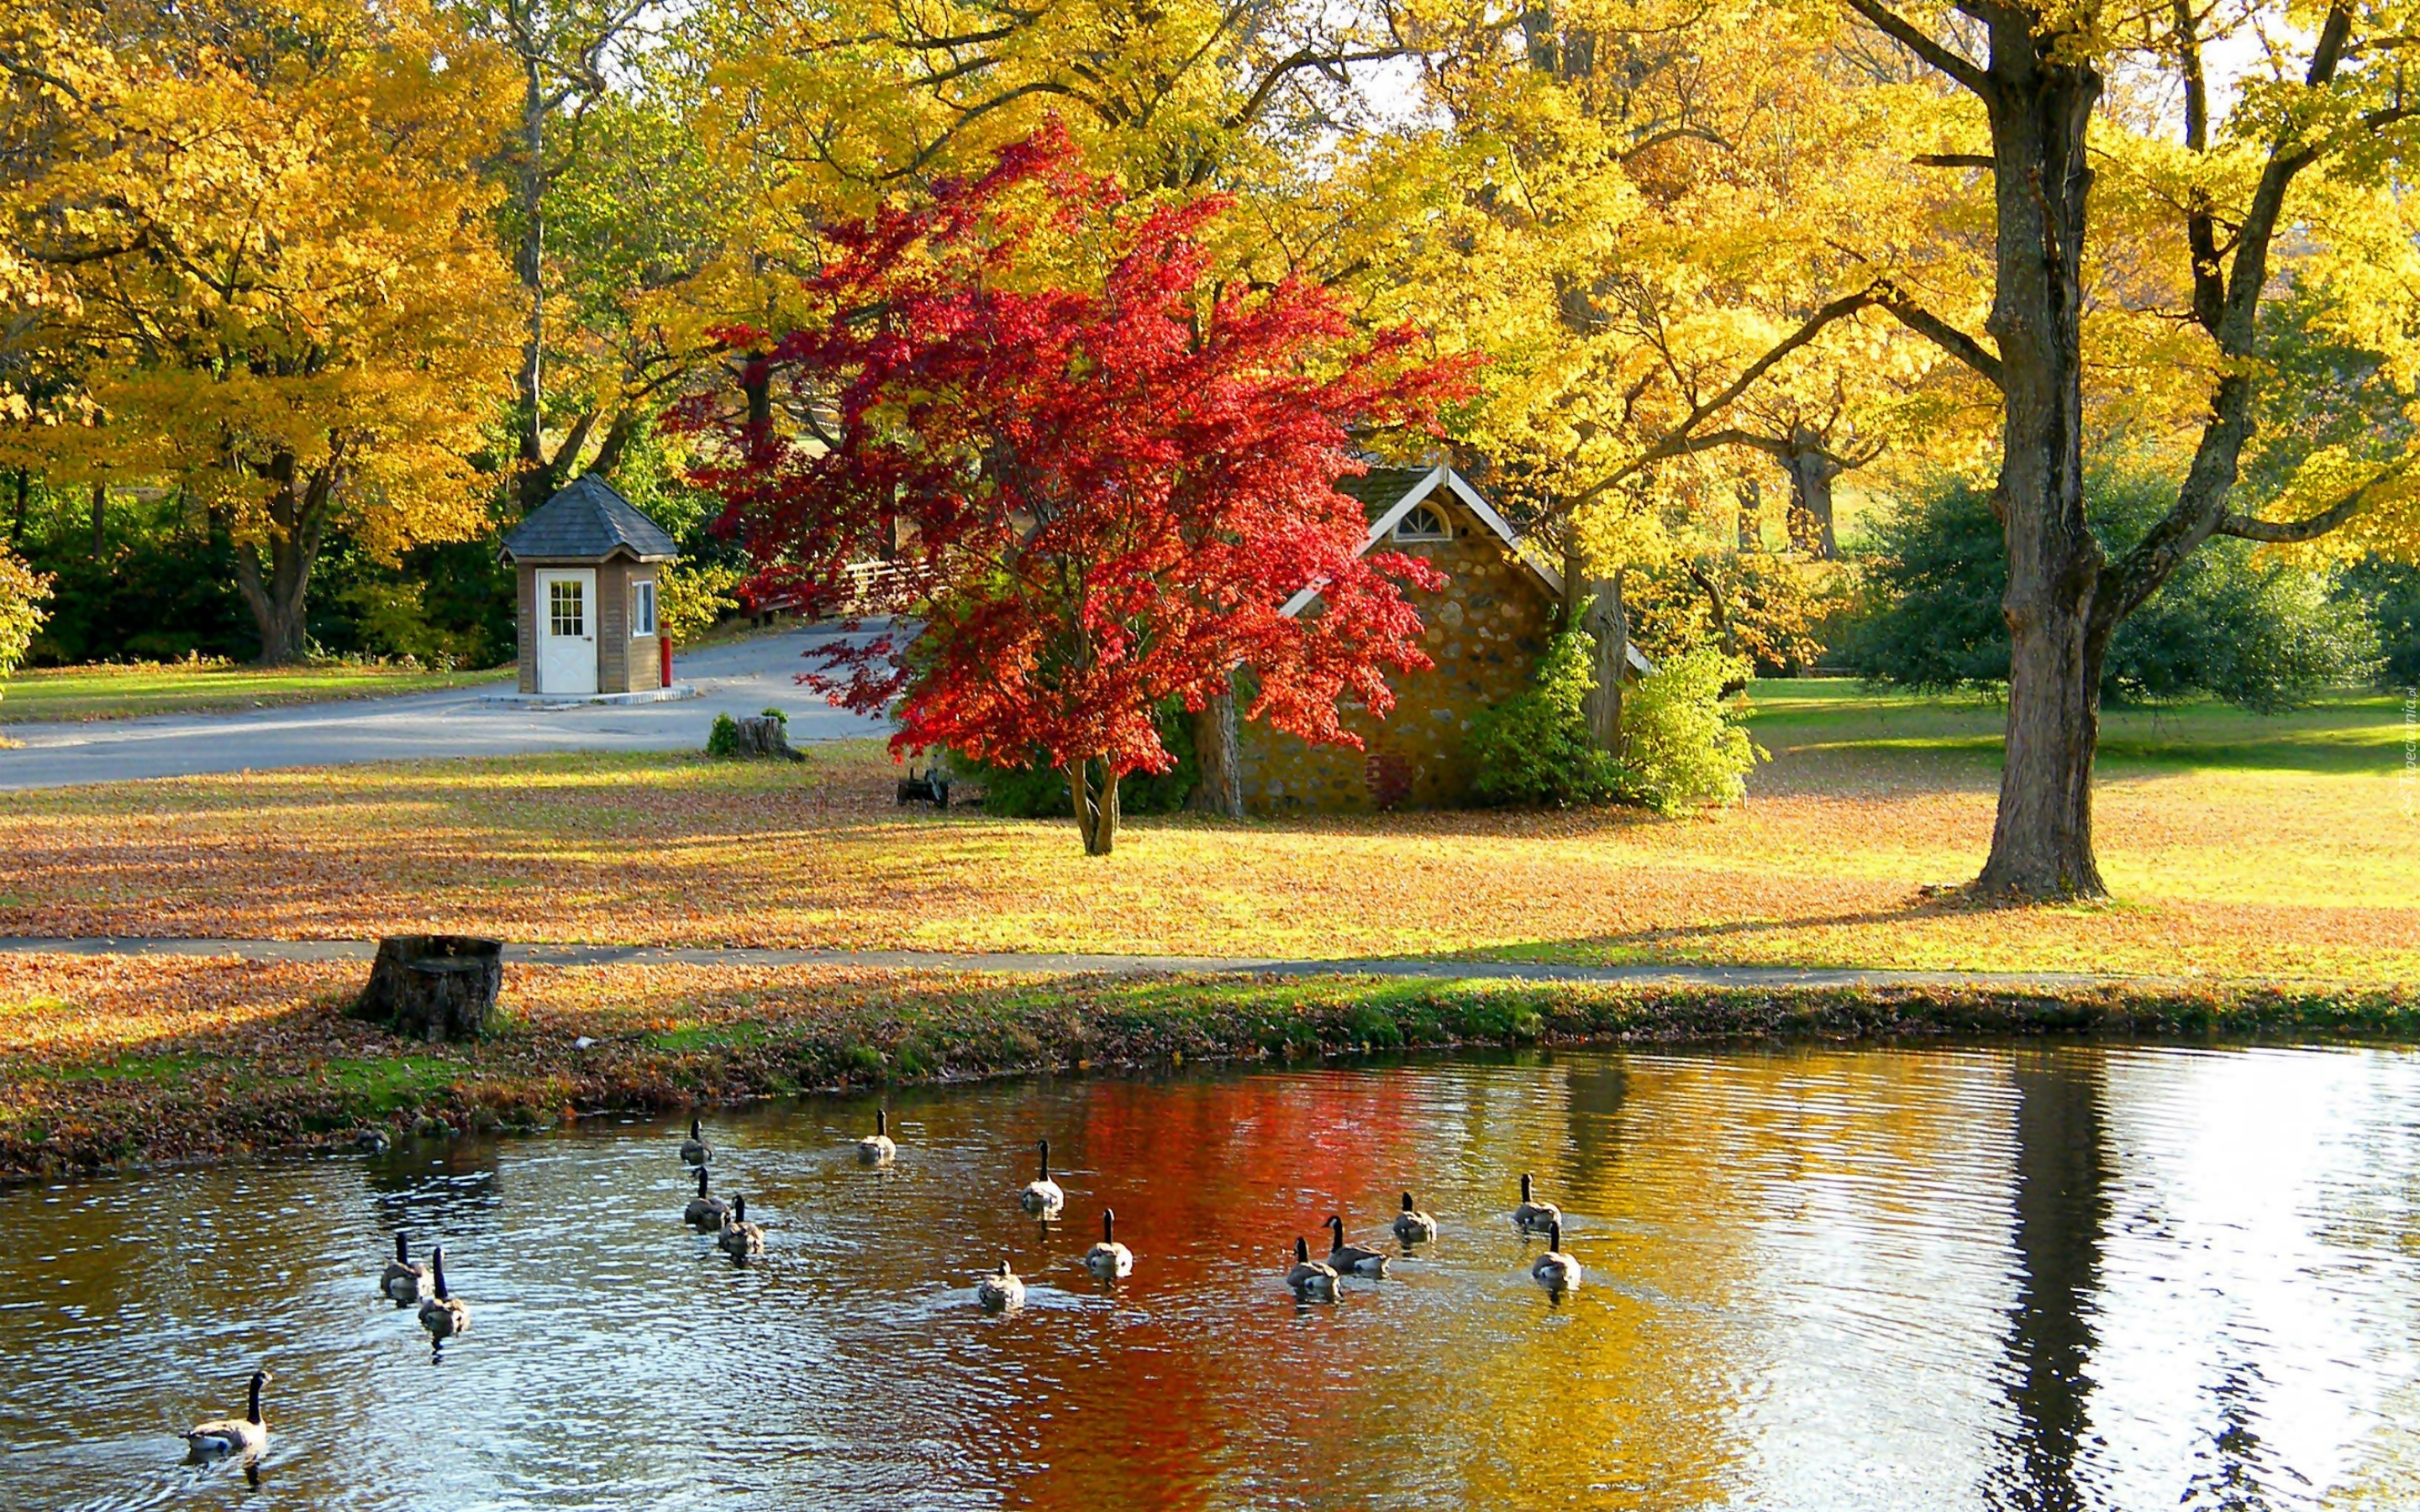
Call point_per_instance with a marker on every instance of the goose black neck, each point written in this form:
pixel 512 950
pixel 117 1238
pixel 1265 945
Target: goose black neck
pixel 1109 1225
pixel 437 1272
pixel 1301 1250
pixel 696 1129
pixel 701 1180
pixel 1408 1202
pixel 400 1256
pixel 1524 1186
pixel 252 1414
pixel 1555 1236
pixel 1045 1146
pixel 738 1210
pixel 881 1122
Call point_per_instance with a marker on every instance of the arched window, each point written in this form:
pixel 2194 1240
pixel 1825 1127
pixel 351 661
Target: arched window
pixel 1422 524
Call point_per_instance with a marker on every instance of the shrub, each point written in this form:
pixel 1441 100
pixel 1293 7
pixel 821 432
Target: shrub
pixel 2389 592
pixel 23 592
pixel 2250 627
pixel 1683 745
pixel 1041 792
pixel 693 597
pixel 724 739
pixel 1532 750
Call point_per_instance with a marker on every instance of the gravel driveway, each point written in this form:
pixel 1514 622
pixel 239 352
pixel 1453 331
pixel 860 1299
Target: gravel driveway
pixel 744 677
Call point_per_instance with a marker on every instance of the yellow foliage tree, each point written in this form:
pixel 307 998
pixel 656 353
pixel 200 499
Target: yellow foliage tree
pixel 260 234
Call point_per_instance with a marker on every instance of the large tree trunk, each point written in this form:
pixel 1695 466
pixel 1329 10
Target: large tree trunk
pixel 2042 846
pixel 1216 748
pixel 1811 470
pixel 1601 614
pixel 1095 787
pixel 297 514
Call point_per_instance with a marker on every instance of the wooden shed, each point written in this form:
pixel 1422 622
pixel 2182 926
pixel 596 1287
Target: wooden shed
pixel 587 562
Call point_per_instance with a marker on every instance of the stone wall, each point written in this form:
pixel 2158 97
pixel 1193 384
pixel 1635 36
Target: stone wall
pixel 1485 630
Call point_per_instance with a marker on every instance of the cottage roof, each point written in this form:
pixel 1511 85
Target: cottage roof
pixel 1391 493
pixel 588 522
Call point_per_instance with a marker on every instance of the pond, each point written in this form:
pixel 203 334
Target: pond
pixel 2063 1275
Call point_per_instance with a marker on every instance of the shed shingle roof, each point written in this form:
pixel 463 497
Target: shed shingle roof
pixel 588 522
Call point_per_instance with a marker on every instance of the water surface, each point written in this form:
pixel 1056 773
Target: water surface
pixel 2065 1276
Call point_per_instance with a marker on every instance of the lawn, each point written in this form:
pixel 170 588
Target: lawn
pixel 105 691
pixel 2240 848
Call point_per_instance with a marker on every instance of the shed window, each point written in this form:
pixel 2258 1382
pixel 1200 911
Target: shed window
pixel 643 608
pixel 566 607
pixel 1422 524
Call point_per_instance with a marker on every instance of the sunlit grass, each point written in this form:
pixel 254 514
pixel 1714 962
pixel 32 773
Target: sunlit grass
pixel 115 692
pixel 2237 848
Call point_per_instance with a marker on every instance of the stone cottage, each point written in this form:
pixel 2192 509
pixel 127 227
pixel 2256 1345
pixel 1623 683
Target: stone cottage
pixel 1486 630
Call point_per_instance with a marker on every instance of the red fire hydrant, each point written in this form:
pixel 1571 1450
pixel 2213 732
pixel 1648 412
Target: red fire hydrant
pixel 664 653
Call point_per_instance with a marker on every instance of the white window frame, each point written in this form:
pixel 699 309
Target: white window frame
pixel 1407 528
pixel 643 609
pixel 557 591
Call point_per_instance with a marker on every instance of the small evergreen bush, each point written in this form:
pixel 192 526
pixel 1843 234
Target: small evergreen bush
pixel 1532 750
pixel 724 739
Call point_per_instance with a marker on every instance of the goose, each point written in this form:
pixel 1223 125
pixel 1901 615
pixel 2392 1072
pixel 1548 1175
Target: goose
pixel 1412 1225
pixel 1042 1196
pixel 225 1436
pixel 443 1314
pixel 1108 1259
pixel 1309 1277
pixel 1344 1257
pixel 740 1238
pixel 403 1281
pixel 705 1213
pixel 1532 1213
pixel 693 1148
pixel 1000 1289
pixel 1555 1270
pixel 877 1148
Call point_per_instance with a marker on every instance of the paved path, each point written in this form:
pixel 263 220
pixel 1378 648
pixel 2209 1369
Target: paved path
pixel 744 677
pixel 1042 965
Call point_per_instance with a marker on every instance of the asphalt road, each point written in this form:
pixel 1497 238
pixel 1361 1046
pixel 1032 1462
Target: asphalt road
pixel 745 677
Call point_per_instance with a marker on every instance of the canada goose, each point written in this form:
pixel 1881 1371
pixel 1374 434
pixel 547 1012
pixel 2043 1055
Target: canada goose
pixel 1533 1214
pixel 1108 1259
pixel 1555 1270
pixel 225 1436
pixel 740 1238
pixel 1412 1225
pixel 1342 1257
pixel 1000 1289
pixel 693 1148
pixel 705 1213
pixel 443 1316
pixel 877 1148
pixel 1042 1196
pixel 403 1281
pixel 1309 1277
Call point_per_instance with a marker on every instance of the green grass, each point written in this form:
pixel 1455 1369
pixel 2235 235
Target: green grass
pixel 387 1084
pixel 124 692
pixel 2350 730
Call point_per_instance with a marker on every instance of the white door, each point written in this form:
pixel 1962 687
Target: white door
pixel 566 630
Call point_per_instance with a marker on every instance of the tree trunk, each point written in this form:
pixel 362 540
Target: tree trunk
pixel 99 520
pixel 1811 470
pixel 1216 748
pixel 1603 615
pixel 17 517
pixel 434 987
pixel 2041 844
pixel 297 517
pixel 1096 805
pixel 538 477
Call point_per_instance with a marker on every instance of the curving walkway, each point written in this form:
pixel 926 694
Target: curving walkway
pixel 1069 965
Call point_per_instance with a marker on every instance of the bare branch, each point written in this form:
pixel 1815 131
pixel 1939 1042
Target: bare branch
pixel 1900 30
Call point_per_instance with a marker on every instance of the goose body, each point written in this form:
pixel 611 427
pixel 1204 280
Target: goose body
pixel 403 1282
pixel 443 1315
pixel 1555 1270
pixel 1352 1258
pixel 705 1213
pixel 1532 1213
pixel 693 1148
pixel 1309 1277
pixel 1412 1225
pixel 1108 1259
pixel 877 1148
pixel 224 1436
pixel 1042 1196
pixel 1000 1289
pixel 740 1238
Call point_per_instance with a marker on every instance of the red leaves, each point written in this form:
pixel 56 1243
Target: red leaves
pixel 1098 485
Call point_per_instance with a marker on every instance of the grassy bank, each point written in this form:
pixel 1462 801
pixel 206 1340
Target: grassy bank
pixel 125 692
pixel 2238 847
pixel 112 1061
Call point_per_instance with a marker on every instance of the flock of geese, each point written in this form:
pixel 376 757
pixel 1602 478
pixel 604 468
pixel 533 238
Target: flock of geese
pixel 407 1283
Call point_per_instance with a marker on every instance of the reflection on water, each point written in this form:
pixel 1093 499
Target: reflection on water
pixel 2062 1277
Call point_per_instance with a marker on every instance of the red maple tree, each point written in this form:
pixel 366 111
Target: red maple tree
pixel 1093 473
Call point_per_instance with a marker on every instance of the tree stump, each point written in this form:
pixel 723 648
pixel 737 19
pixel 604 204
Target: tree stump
pixel 761 734
pixel 434 987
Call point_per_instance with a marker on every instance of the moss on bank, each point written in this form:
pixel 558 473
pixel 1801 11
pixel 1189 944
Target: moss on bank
pixel 111 1065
